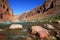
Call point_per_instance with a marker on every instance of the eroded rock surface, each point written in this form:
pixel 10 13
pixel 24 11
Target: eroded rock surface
pixel 16 26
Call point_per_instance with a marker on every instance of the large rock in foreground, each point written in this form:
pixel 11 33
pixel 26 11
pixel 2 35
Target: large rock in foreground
pixel 16 26
pixel 43 33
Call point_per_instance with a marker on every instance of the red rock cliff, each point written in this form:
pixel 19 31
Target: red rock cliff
pixel 6 12
pixel 49 7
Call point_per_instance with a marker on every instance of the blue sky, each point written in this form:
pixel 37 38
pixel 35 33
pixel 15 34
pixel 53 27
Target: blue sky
pixel 21 6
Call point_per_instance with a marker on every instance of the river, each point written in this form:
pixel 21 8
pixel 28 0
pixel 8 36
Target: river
pixel 20 34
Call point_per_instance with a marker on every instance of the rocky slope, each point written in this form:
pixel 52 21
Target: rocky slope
pixel 48 8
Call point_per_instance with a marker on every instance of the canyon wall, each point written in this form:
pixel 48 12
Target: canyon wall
pixel 6 12
pixel 49 7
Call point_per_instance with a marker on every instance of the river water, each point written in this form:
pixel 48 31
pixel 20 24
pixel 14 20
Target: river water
pixel 20 34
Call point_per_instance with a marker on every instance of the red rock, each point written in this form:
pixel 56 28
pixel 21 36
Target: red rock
pixel 43 33
pixel 2 37
pixel 5 12
pixel 49 7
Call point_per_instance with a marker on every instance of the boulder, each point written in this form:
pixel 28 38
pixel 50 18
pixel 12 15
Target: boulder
pixel 51 38
pixel 16 26
pixel 58 34
pixel 1 30
pixel 42 33
pixel 48 26
pixel 58 22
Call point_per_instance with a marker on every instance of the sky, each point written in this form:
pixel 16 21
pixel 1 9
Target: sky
pixel 21 6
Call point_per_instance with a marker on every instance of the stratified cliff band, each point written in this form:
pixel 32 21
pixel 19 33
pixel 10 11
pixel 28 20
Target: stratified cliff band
pixel 49 7
pixel 6 12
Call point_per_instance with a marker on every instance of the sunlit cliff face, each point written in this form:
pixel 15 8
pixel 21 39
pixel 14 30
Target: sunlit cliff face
pixel 5 10
pixel 49 7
